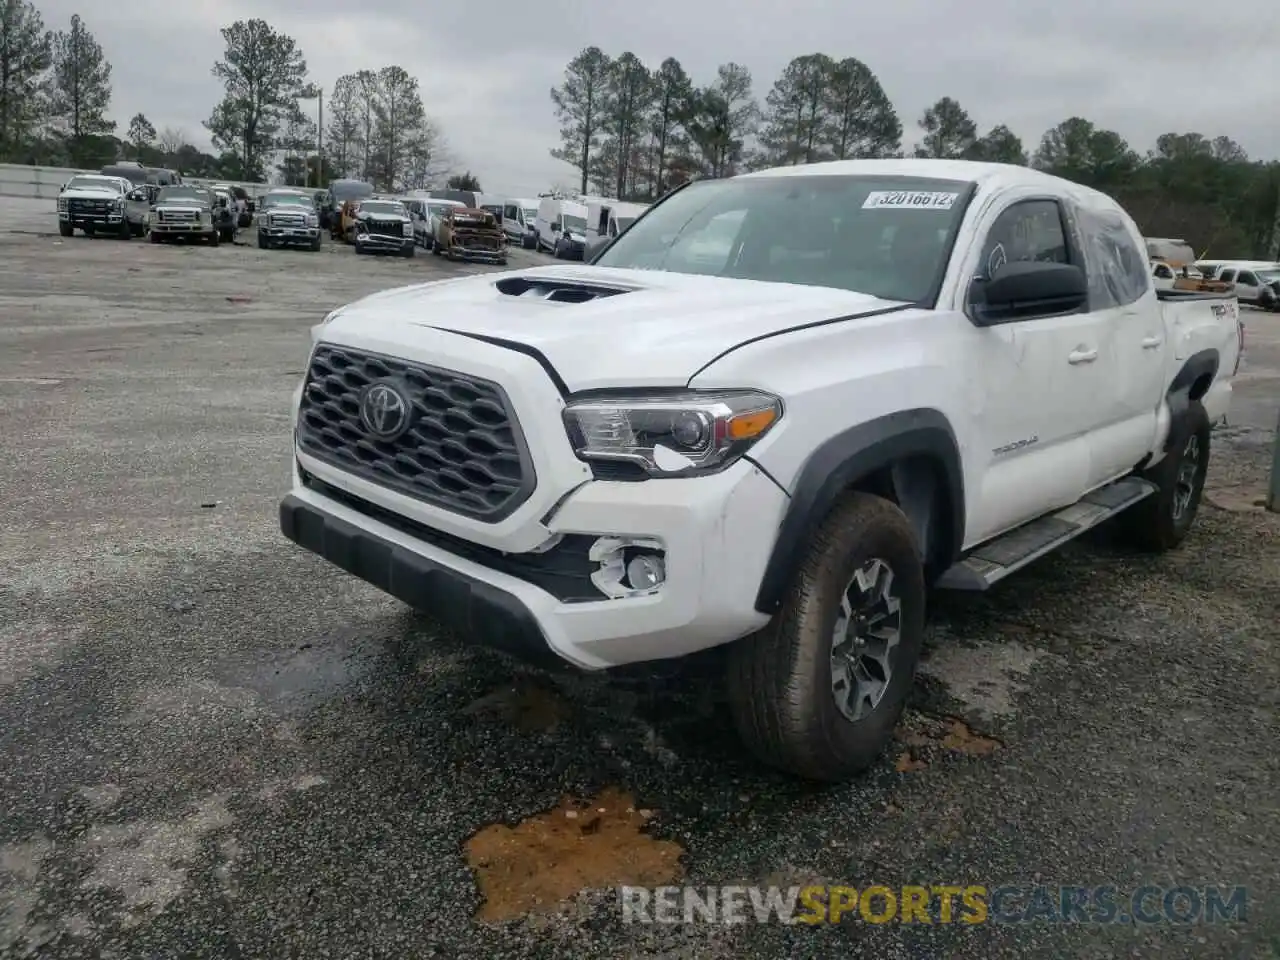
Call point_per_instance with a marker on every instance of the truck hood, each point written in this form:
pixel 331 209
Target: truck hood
pixel 600 327
pixel 90 193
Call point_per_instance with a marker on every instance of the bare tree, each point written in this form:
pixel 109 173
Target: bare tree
pixel 579 104
pixel 343 134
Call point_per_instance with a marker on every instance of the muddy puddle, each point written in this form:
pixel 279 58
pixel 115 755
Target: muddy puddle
pixel 926 740
pixel 546 860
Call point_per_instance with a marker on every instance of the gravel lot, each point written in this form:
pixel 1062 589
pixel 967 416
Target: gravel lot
pixel 214 745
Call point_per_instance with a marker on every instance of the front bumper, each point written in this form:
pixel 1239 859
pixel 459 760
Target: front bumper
pixel 478 254
pixel 716 533
pixel 380 241
pixel 181 228
pixel 86 218
pixel 289 234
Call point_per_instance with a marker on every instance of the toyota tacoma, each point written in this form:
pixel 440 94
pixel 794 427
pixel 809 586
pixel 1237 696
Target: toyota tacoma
pixel 769 415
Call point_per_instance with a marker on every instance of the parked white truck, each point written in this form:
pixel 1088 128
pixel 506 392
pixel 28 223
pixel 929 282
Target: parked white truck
pixel 896 374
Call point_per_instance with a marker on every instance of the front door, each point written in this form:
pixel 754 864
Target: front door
pixel 1036 383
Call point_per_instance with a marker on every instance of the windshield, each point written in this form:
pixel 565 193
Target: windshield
pixel 286 200
pixel 574 224
pixel 350 191
pixel 182 193
pixel 530 214
pixel 890 237
pixel 623 222
pixel 438 209
pixel 1269 275
pixel 92 183
pixel 384 207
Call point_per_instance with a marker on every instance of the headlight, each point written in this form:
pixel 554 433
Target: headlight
pixel 672 435
pixel 117 203
pixel 62 203
pixel 313 220
pixel 408 229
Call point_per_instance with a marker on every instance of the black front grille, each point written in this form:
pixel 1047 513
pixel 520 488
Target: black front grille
pixel 87 206
pixel 386 228
pixel 462 451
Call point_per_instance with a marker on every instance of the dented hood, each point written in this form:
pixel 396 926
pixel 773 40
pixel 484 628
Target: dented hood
pixel 600 327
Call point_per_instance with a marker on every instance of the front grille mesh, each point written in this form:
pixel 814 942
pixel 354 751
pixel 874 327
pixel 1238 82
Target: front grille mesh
pixel 464 450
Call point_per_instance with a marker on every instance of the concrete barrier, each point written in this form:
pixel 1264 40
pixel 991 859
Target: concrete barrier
pixel 19 180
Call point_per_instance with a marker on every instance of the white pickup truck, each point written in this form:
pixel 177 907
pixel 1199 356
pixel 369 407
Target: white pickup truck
pixel 898 373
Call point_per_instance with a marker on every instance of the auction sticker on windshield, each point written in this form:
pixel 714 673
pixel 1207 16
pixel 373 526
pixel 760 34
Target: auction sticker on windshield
pixel 909 200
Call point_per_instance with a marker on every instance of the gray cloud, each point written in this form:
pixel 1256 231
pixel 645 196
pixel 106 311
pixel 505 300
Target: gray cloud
pixel 1141 67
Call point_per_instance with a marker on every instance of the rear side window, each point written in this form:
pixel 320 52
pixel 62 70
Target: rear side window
pixel 1247 278
pixel 1229 275
pixel 1116 265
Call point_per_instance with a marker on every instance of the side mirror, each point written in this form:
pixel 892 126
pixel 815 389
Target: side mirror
pixel 138 195
pixel 1028 288
pixel 555 228
pixel 593 246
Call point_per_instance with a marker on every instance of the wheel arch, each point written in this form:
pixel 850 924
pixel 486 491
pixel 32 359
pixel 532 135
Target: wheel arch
pixel 911 458
pixel 1189 384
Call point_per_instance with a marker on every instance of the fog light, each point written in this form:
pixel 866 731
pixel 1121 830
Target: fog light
pixel 628 566
pixel 645 571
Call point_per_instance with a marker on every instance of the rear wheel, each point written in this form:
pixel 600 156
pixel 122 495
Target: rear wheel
pixel 819 690
pixel 1163 520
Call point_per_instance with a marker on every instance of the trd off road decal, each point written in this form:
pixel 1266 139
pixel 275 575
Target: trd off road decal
pixel 909 200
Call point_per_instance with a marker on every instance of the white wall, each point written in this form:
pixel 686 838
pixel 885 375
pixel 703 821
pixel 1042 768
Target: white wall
pixel 17 180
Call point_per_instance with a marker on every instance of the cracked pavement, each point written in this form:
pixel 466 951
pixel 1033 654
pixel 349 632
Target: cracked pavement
pixel 214 745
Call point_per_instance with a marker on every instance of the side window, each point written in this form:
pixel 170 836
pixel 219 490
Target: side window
pixel 1228 275
pixel 1029 230
pixel 1116 266
pixel 510 212
pixel 1163 272
pixel 1247 278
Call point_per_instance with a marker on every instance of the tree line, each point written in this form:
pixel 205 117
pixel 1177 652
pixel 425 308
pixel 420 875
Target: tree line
pixel 55 94
pixel 634 132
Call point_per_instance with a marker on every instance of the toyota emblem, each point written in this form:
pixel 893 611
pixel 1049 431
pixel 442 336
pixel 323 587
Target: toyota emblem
pixel 385 410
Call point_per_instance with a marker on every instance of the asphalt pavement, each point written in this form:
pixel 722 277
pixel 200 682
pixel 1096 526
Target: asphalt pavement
pixel 214 745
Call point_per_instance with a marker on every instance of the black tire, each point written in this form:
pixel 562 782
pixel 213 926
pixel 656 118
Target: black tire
pixel 1163 520
pixel 66 229
pixel 780 679
pixel 315 245
pixel 263 242
pixel 90 231
pixel 407 252
pixel 435 249
pixel 215 238
pixel 126 230
pixel 154 237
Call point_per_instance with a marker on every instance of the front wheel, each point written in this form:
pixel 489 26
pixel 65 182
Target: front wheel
pixel 66 229
pixel 1163 520
pixel 155 237
pixel 818 691
pixel 315 244
pixel 215 238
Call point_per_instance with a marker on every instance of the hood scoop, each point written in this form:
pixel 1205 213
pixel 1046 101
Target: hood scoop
pixel 554 290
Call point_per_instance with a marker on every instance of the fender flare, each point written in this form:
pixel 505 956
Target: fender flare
pixel 1178 396
pixel 843 460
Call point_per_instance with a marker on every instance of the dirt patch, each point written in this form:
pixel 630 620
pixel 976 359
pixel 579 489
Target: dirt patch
pixel 1247 498
pixel 928 739
pixel 526 705
pixel 537 865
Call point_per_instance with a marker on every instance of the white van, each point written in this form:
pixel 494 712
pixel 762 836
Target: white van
pixel 519 222
pixel 562 228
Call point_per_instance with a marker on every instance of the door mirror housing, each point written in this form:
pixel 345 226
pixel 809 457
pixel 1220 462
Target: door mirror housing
pixel 137 195
pixel 1028 288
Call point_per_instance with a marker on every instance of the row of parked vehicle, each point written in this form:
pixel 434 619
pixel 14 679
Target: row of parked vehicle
pixel 1174 266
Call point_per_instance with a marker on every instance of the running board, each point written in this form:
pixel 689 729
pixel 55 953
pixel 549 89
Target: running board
pixel 996 559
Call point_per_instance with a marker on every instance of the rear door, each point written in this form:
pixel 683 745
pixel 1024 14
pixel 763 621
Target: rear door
pixel 1130 332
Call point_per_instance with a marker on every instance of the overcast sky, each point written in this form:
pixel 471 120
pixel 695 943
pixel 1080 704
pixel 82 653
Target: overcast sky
pixel 1141 67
